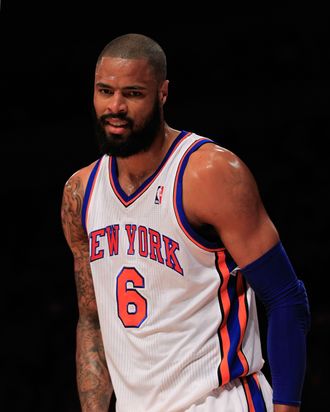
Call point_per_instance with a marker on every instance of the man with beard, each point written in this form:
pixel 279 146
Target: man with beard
pixel 171 243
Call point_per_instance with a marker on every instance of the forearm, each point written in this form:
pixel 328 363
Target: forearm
pixel 284 296
pixel 94 384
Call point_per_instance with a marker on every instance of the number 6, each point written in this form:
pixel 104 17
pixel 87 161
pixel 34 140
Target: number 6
pixel 131 305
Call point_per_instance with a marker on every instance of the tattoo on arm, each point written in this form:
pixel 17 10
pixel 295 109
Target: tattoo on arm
pixel 93 380
pixel 71 211
pixel 94 384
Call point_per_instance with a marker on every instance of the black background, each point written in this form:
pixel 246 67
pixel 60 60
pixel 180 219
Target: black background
pixel 256 82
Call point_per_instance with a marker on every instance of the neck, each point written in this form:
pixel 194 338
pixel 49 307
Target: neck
pixel 135 169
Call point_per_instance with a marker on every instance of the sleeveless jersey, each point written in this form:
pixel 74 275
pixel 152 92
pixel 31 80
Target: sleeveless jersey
pixel 177 318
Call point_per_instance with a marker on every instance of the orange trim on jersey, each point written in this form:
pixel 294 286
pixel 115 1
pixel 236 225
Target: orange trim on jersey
pixel 91 191
pixel 248 395
pixel 131 200
pixel 224 334
pixel 242 319
pixel 177 214
pixel 226 367
pixel 255 377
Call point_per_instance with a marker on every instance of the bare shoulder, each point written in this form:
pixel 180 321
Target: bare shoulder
pixel 72 202
pixel 219 190
pixel 216 166
pixel 79 178
pixel 218 186
pixel 74 188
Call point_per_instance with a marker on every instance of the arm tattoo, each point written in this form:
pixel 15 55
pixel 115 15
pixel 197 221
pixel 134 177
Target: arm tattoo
pixel 71 210
pixel 92 374
pixel 93 379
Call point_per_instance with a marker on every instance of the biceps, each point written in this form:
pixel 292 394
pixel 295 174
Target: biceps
pixel 247 236
pixel 242 222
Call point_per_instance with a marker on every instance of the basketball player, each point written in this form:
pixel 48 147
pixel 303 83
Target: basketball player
pixel 171 244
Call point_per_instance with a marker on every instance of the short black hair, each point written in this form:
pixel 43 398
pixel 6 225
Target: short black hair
pixel 137 46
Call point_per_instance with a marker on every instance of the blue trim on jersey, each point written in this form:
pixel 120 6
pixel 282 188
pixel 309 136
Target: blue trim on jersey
pixel 179 203
pixel 114 170
pixel 231 264
pixel 87 193
pixel 234 330
pixel 256 394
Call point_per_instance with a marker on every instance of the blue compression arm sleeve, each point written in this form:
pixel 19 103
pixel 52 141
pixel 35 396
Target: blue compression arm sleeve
pixel 276 285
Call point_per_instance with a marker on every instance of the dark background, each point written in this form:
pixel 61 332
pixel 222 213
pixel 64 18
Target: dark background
pixel 256 82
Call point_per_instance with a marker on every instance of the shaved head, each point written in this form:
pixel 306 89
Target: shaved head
pixel 137 46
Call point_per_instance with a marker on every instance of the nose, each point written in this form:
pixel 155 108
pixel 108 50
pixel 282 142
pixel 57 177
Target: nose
pixel 117 104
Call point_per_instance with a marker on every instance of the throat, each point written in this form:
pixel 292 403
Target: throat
pixel 131 183
pixel 132 172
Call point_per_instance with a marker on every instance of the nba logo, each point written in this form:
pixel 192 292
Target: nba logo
pixel 159 195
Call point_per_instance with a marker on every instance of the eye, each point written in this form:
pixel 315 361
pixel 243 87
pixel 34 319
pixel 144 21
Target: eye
pixel 133 93
pixel 105 91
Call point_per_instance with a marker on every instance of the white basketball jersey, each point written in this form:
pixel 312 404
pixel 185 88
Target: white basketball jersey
pixel 178 320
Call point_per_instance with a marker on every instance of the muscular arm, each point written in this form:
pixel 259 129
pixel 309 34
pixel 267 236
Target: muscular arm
pixel 94 384
pixel 220 191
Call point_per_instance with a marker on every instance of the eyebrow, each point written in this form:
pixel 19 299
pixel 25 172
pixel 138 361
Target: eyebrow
pixel 100 84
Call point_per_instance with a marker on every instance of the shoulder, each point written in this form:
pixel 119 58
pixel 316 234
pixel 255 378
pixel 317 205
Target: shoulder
pixel 79 179
pixel 74 190
pixel 218 186
pixel 71 207
pixel 216 165
pixel 213 152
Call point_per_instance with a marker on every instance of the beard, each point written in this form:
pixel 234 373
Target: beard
pixel 136 141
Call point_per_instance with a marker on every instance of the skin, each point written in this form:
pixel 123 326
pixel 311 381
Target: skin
pixel 214 176
pixel 94 384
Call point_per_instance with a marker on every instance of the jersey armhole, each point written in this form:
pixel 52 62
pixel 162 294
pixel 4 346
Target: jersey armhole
pixel 88 193
pixel 178 202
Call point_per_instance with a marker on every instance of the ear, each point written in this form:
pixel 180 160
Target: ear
pixel 163 92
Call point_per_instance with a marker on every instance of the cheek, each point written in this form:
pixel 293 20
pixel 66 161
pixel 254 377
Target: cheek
pixel 98 106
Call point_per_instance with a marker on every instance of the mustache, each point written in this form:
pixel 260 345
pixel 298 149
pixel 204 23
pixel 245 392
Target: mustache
pixel 120 116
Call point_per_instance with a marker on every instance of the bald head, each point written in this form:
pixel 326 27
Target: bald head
pixel 137 46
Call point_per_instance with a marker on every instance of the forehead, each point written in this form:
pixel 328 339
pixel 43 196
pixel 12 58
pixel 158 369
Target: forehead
pixel 112 69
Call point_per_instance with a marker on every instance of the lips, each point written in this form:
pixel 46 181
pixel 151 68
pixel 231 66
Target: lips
pixel 116 127
pixel 116 124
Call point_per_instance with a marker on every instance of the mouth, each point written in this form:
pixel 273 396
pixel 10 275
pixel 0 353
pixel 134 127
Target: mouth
pixel 116 123
pixel 116 126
